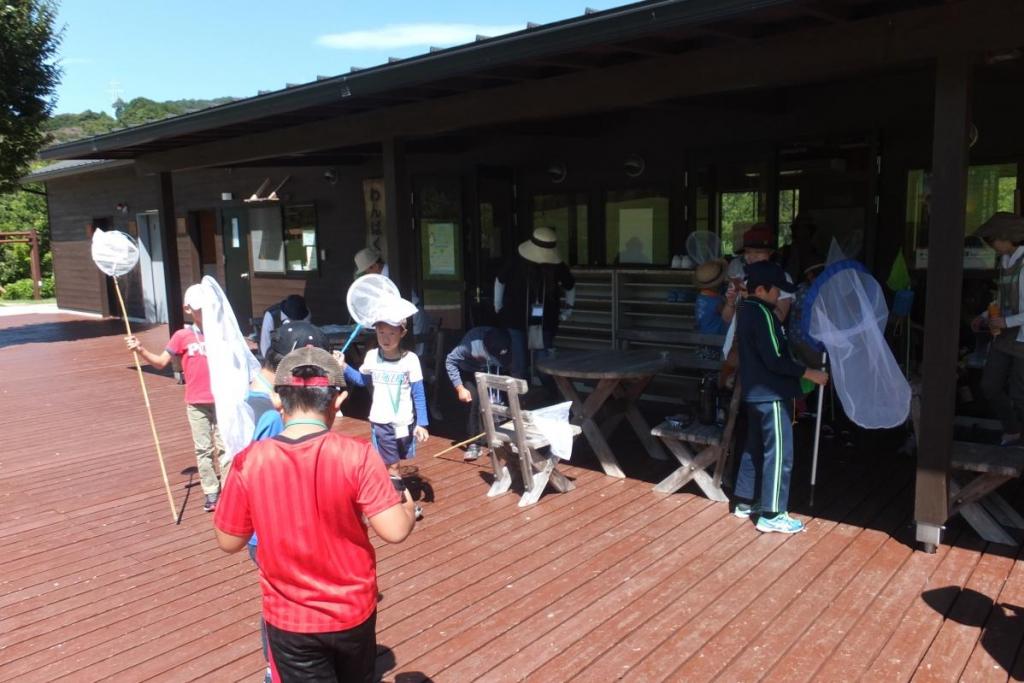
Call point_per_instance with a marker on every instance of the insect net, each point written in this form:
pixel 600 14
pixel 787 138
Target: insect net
pixel 366 295
pixel 232 369
pixel 703 246
pixel 114 252
pixel 845 313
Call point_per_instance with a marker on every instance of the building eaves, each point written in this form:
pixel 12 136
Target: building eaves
pixel 593 28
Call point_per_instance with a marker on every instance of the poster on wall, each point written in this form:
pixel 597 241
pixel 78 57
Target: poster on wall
pixel 636 236
pixel 373 204
pixel 441 249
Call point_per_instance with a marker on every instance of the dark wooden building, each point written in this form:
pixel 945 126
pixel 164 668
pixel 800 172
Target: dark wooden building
pixel 893 125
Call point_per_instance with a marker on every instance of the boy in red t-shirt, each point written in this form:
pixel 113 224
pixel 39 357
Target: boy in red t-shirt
pixel 189 345
pixel 306 492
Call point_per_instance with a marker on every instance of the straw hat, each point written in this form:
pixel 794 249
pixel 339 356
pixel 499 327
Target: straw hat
pixel 1003 225
pixel 710 274
pixel 542 247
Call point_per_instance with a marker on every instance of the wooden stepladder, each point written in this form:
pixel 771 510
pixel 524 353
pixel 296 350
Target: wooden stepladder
pixel 511 437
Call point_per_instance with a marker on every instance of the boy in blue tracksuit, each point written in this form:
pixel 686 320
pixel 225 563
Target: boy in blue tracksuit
pixel 483 349
pixel 770 380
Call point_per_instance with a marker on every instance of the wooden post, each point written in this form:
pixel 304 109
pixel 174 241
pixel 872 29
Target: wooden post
pixel 169 238
pixel 36 269
pixel 945 277
pixel 399 235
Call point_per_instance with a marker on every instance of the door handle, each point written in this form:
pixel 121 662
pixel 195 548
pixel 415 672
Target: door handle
pixel 244 276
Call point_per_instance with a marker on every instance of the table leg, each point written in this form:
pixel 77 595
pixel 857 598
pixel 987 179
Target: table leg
pixel 643 431
pixel 585 411
pixel 692 468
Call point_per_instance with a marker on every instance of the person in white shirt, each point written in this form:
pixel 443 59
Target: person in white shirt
pixel 291 309
pixel 1002 381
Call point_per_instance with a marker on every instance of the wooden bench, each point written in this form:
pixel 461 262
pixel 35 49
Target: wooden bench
pixel 975 498
pixel 512 436
pixel 715 444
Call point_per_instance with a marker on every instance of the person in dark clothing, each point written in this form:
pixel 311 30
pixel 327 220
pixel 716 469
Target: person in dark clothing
pixel 770 380
pixel 528 293
pixel 482 349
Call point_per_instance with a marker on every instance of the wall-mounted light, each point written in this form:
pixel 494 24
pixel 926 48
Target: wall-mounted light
pixel 226 196
pixel 121 208
pixel 557 172
pixel 331 176
pixel 634 165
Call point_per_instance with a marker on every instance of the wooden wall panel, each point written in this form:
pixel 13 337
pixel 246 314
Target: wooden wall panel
pixel 78 281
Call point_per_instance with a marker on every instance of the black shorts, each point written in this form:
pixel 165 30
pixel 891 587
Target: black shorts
pixel 391 448
pixel 337 656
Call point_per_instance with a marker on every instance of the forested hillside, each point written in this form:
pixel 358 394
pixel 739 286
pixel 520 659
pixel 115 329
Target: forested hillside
pixel 67 127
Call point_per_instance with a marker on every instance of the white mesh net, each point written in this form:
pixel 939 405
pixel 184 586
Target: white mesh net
pixel 232 369
pixel 703 246
pixel 365 296
pixel 848 316
pixel 114 252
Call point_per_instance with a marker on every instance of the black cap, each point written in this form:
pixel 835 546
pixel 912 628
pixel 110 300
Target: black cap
pixel 296 335
pixel 497 341
pixel 294 307
pixel 767 274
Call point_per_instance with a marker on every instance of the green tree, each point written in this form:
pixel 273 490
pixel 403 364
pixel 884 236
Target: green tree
pixel 28 78
pixel 19 211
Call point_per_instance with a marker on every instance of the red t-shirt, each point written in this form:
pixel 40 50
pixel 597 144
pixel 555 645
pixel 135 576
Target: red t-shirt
pixel 188 343
pixel 305 499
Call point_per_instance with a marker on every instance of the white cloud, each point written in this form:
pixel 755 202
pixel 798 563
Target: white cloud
pixel 411 35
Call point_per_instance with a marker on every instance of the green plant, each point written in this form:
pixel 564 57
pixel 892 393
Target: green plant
pixel 48 288
pixel 21 289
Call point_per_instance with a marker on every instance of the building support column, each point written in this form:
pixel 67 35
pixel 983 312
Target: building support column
pixel 945 278
pixel 399 233
pixel 169 242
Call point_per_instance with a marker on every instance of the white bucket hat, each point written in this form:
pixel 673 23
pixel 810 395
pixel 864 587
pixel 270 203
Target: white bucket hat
pixel 542 247
pixel 366 258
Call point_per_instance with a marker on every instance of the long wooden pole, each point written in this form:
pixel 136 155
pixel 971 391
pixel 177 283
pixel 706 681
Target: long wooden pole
pixel 149 409
pixel 460 444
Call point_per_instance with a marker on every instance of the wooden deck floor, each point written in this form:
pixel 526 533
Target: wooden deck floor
pixel 610 581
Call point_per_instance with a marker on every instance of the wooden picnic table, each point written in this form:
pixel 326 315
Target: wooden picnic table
pixel 621 377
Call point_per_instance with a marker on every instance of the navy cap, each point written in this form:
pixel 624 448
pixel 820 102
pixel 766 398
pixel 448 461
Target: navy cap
pixel 767 274
pixel 296 335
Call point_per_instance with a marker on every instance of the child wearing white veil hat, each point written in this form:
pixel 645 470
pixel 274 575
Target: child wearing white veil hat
pixel 398 411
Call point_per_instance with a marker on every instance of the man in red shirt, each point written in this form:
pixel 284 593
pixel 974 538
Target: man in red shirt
pixel 306 492
pixel 189 345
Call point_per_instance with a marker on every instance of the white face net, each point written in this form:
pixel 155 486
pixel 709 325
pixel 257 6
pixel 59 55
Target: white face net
pixel 848 316
pixel 232 369
pixel 365 296
pixel 114 252
pixel 703 246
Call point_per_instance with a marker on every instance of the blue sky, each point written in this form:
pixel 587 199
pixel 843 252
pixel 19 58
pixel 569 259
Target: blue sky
pixel 209 48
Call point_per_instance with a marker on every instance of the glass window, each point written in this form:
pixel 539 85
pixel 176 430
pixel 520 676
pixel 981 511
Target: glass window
pixel 742 201
pixel 300 238
pixel 266 236
pixel 567 215
pixel 637 227
pixel 441 230
pixel 283 241
pixel 990 188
